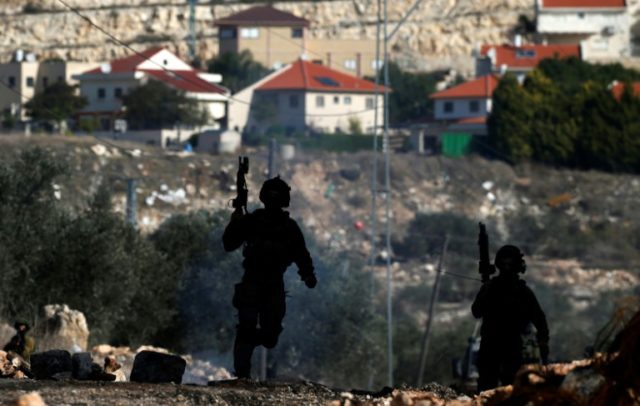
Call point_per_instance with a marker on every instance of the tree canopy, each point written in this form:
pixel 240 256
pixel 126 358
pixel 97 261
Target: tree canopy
pixel 565 113
pixel 154 105
pixel 56 102
pixel 238 70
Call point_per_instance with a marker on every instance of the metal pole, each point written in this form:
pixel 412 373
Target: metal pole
pixel 131 207
pixel 192 29
pixel 387 182
pixel 264 353
pixel 432 305
pixel 374 183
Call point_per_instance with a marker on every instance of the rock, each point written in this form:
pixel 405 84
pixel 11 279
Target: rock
pixel 81 366
pixel 155 367
pixel 30 399
pixel 61 328
pixel 583 382
pixel 6 332
pixel 44 365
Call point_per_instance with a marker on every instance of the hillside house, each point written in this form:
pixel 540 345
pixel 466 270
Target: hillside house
pixel 601 27
pixel 25 76
pixel 105 86
pixel 520 59
pixel 276 38
pixel 460 113
pixel 306 96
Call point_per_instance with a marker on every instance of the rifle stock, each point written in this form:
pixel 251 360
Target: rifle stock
pixel 485 267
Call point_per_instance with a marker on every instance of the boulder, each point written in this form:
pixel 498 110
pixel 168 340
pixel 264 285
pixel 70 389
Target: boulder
pixel 48 364
pixel 81 366
pixel 62 328
pixel 155 367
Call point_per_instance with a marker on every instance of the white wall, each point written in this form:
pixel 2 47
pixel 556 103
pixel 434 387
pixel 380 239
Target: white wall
pixel 461 108
pixel 89 88
pixel 337 115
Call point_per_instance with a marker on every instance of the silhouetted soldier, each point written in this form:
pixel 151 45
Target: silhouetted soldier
pixel 272 241
pixel 507 306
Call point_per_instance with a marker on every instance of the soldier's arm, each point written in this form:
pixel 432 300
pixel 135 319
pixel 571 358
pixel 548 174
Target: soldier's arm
pixel 235 232
pixel 538 318
pixel 301 255
pixel 479 305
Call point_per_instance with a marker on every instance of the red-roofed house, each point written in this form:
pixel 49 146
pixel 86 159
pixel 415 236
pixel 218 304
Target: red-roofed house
pixel 276 38
pixel 519 59
pixel 104 87
pixel 602 27
pixel 305 96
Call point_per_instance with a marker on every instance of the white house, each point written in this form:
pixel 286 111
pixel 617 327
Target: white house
pixel 104 87
pixel 520 59
pixel 468 100
pixel 601 27
pixel 306 96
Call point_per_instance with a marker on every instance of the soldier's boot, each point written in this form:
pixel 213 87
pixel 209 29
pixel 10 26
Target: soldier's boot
pixel 246 341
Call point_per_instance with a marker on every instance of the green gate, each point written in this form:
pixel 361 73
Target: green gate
pixel 455 145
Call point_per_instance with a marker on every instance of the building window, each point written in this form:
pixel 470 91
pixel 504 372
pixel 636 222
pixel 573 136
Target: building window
pixel 45 81
pixel 11 81
pixel 525 53
pixel 474 106
pixel 376 64
pixel 581 15
pixel 370 103
pixel 102 93
pixel 227 33
pixel 60 79
pixel 448 107
pixel 350 64
pixel 117 93
pixel 347 99
pixel 30 81
pixel 249 32
pixel 336 99
pixel 297 33
pixel 293 101
pixel 319 101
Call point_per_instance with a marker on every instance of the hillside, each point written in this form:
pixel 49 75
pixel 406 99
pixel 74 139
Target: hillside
pixel 578 229
pixel 441 34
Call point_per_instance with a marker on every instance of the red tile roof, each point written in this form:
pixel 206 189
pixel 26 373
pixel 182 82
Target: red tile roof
pixel 583 3
pixel 263 16
pixel 129 63
pixel 528 56
pixel 186 80
pixel 305 75
pixel 481 87
pixel 472 120
pixel 618 88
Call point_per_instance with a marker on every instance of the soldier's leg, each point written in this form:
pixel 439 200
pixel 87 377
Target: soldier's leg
pixel 246 332
pixel 488 366
pixel 512 361
pixel 272 312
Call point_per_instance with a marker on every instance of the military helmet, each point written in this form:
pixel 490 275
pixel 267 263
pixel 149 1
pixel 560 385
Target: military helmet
pixel 510 254
pixel 275 192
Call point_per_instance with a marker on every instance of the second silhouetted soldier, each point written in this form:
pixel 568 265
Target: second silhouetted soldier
pixel 507 306
pixel 272 241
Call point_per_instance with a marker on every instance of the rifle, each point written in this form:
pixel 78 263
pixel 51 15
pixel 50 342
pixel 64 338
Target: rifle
pixel 240 202
pixel 485 267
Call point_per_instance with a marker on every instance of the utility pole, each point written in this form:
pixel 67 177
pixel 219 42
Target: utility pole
pixel 132 203
pixel 432 305
pixel 192 29
pixel 264 353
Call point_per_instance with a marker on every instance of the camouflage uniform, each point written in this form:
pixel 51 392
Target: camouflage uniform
pixel 272 241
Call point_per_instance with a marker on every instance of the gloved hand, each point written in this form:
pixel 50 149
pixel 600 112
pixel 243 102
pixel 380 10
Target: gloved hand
pixel 544 353
pixel 311 281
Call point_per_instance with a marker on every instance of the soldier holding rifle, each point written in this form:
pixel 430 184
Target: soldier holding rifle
pixel 271 242
pixel 507 307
